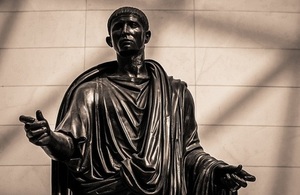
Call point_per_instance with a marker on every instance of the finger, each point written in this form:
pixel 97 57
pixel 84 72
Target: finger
pixel 26 119
pixel 246 176
pixel 39 115
pixel 36 125
pixel 238 168
pixel 234 193
pixel 231 169
pixel 239 180
pixel 233 185
pixel 231 182
pixel 36 133
pixel 235 189
pixel 250 178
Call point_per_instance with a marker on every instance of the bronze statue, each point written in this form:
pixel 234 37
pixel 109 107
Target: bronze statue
pixel 126 127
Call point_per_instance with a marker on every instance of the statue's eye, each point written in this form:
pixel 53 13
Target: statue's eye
pixel 117 26
pixel 134 25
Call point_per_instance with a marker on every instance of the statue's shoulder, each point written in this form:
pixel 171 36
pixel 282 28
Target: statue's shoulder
pixel 89 76
pixel 177 83
pixel 84 83
pixel 99 70
pixel 174 82
pixel 87 86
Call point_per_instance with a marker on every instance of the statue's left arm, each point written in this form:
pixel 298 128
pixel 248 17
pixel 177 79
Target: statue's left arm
pixel 204 174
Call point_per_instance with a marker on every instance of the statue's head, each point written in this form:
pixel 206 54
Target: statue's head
pixel 128 30
pixel 129 11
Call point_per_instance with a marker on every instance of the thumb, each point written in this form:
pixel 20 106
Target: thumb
pixel 39 115
pixel 235 169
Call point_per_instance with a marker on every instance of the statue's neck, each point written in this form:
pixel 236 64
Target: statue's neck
pixel 132 65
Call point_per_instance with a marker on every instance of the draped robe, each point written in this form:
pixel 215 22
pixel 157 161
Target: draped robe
pixel 132 137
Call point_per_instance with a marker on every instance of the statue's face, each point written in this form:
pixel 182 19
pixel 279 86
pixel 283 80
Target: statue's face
pixel 127 35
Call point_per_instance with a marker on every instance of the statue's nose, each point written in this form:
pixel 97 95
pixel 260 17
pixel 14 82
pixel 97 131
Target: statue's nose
pixel 126 29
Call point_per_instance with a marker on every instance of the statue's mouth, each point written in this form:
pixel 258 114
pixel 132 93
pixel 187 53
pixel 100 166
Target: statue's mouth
pixel 124 42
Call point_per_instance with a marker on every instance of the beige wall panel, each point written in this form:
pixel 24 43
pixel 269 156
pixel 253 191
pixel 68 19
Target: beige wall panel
pixel 15 149
pixel 254 67
pixel 38 5
pixel 252 145
pixel 96 28
pixel 177 62
pixel 27 180
pixel 171 28
pixel 165 31
pixel 273 181
pixel 254 5
pixel 247 29
pixel 248 106
pixel 95 56
pixel 42 29
pixel 154 4
pixel 26 100
pixel 57 66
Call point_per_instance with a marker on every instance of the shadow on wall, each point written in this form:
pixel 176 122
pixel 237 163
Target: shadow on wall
pixel 7 27
pixel 282 65
pixel 9 23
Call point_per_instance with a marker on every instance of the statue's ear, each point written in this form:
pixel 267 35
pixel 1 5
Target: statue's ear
pixel 148 36
pixel 108 41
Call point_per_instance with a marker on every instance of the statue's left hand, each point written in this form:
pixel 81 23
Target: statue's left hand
pixel 232 177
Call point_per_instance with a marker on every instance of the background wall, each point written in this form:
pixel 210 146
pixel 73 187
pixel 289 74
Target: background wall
pixel 240 58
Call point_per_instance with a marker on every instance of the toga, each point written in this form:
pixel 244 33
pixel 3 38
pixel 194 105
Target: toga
pixel 132 136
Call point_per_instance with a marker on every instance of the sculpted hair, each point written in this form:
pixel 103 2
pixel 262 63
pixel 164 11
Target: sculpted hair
pixel 127 11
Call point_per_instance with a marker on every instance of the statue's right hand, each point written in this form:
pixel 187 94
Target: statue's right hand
pixel 37 130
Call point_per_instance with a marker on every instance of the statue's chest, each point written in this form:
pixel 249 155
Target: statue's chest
pixel 123 110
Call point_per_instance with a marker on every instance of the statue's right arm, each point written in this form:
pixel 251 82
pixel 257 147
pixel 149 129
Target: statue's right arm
pixel 57 145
